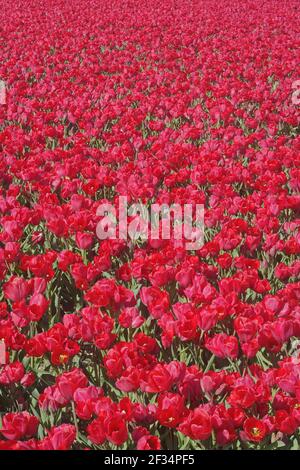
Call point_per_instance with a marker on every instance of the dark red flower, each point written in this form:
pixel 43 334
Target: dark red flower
pixel 19 425
pixel 255 429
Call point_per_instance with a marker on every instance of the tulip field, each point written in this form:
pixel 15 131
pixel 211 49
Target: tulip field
pixel 118 343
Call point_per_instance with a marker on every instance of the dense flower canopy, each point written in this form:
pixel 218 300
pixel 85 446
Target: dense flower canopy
pixel 113 344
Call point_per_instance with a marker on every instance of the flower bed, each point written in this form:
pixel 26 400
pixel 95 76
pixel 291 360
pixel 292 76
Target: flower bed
pixel 143 344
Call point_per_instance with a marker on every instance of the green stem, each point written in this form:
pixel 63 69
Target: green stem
pixel 74 417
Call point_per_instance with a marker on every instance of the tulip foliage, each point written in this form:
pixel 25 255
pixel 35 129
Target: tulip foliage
pixel 115 344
